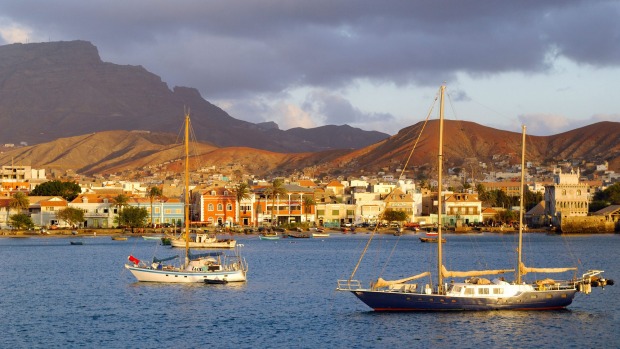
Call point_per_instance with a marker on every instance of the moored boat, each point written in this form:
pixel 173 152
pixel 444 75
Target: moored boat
pixel 475 293
pixel 205 267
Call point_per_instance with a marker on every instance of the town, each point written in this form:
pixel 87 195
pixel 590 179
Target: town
pixel 228 200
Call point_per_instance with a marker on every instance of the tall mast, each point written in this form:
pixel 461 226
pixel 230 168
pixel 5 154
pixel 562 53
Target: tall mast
pixel 187 201
pixel 439 187
pixel 519 261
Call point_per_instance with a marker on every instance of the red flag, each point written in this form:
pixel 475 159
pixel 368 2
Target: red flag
pixel 133 260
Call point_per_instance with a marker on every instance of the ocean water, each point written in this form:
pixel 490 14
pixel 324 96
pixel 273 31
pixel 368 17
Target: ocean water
pixel 56 295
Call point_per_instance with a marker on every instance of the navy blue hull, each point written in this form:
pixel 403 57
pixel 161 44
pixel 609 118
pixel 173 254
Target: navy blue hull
pixel 398 301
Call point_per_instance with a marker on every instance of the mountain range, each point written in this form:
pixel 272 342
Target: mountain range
pixel 94 117
pixel 62 89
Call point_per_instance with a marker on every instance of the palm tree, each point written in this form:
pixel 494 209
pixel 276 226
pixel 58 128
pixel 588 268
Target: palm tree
pixel 242 192
pixel 19 202
pixel 276 189
pixel 153 192
pixel 120 200
pixel 308 202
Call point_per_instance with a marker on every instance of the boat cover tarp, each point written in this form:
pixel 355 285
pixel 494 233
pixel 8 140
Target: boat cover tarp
pixel 461 274
pixel 383 283
pixel 159 260
pixel 524 270
pixel 193 256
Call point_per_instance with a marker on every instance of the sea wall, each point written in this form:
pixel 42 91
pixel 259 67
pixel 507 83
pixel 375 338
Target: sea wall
pixel 587 225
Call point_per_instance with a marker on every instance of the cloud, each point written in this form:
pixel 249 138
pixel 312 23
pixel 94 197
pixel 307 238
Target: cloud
pixel 248 57
pixel 13 33
pixel 334 109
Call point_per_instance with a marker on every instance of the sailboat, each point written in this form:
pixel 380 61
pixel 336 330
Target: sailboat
pixel 475 293
pixel 211 267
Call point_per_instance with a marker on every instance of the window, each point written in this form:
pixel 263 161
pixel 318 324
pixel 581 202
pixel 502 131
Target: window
pixel 220 207
pixel 157 210
pixel 229 207
pixel 469 291
pixel 210 207
pixel 497 290
pixel 167 211
pixel 320 212
pixel 483 290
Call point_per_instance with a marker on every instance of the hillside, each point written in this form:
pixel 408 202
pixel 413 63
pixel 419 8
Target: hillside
pixel 465 143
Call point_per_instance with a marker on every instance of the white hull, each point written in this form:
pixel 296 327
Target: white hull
pixel 220 244
pixel 182 276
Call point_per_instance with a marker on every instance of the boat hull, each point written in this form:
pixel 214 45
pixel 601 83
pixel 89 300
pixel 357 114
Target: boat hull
pixel 262 237
pixel 403 301
pixel 180 276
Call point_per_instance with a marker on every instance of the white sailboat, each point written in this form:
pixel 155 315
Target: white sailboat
pixel 475 292
pixel 212 267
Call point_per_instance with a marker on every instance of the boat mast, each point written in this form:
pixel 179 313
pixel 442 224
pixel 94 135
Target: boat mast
pixel 439 189
pixel 519 261
pixel 187 201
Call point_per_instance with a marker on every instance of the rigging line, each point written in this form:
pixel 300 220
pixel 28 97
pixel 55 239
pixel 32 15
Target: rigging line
pixel 428 115
pixel 399 177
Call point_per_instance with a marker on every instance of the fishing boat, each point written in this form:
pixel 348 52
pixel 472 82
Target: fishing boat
pixel 269 236
pixel 153 237
pixel 432 240
pixel 474 293
pixel 213 266
pixel 320 234
pixel 119 238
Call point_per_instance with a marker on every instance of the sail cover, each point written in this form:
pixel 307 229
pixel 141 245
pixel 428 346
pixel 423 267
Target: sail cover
pixel 202 255
pixel 461 274
pixel 159 260
pixel 383 283
pixel 524 270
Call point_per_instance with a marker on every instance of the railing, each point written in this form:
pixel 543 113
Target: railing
pixel 349 285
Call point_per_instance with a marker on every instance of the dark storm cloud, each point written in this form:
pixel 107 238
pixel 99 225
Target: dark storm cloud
pixel 228 49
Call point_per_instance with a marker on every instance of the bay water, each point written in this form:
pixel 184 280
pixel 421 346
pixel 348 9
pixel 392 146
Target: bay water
pixel 57 295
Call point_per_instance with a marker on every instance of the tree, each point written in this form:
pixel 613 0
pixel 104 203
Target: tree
pixel 66 190
pixel 394 216
pixel 276 189
pixel 609 196
pixel 308 202
pixel 134 217
pixel 121 201
pixel 19 202
pixel 71 215
pixel 242 192
pixel 153 192
pixel 21 221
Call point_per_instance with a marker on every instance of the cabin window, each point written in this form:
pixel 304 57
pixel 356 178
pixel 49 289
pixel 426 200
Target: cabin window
pixel 483 290
pixel 469 291
pixel 457 289
pixel 497 290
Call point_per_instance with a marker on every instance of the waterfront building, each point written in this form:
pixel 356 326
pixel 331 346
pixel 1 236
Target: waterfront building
pixel 566 197
pixel 99 210
pixel 43 210
pixel 462 208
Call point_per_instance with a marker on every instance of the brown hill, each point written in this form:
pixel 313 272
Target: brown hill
pixel 465 143
pixel 56 90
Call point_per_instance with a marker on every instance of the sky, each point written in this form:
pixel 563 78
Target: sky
pixel 553 65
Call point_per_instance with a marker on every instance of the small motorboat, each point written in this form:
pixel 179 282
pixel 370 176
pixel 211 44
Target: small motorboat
pixel 76 243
